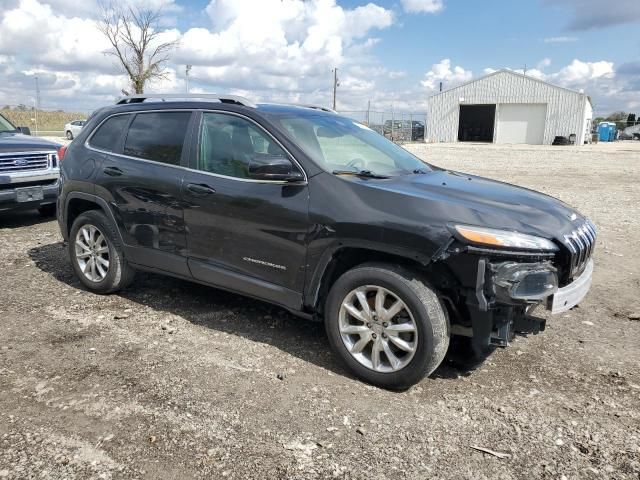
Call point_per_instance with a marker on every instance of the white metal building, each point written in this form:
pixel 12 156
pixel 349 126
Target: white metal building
pixel 508 107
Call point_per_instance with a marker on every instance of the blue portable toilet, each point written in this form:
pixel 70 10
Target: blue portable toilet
pixel 603 131
pixel 607 131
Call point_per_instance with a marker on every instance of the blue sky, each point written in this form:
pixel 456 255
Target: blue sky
pixel 393 53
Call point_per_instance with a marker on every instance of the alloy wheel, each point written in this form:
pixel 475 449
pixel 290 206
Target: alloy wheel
pixel 92 253
pixel 378 329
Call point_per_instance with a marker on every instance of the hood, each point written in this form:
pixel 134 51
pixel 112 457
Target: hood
pixel 467 199
pixel 17 142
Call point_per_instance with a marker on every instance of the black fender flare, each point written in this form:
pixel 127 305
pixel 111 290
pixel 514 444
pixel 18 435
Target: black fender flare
pixel 312 287
pixel 101 202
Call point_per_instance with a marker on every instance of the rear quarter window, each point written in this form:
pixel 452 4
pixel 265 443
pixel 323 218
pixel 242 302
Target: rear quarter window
pixel 109 133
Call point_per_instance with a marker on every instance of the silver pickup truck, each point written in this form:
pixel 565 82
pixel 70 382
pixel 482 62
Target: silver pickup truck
pixel 29 170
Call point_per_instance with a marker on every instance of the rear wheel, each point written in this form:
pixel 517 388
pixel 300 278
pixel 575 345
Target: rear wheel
pixel 96 253
pixel 387 324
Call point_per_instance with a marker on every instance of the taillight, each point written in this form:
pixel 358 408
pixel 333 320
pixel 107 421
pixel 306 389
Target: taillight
pixel 61 151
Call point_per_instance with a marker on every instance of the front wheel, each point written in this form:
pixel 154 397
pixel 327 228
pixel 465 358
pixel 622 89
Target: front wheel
pixel 387 325
pixel 97 255
pixel 69 135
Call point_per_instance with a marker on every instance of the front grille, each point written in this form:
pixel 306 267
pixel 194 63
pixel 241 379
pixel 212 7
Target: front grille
pixel 581 243
pixel 25 162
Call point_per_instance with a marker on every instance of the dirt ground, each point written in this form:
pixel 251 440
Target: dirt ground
pixel 174 380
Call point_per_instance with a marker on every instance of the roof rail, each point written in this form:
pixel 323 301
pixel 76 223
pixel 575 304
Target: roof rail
pixel 141 97
pixel 319 107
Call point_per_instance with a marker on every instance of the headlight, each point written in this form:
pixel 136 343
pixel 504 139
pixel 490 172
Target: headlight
pixel 503 238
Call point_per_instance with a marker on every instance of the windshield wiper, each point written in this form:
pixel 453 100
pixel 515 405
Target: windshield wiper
pixel 360 173
pixel 420 171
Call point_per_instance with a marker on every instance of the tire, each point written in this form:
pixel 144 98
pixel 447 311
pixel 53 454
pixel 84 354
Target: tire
pixel 47 210
pixel 69 135
pixel 424 312
pixel 117 274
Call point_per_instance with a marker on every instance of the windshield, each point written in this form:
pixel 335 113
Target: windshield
pixel 5 125
pixel 341 144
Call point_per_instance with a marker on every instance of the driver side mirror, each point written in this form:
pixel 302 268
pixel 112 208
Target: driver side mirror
pixel 270 167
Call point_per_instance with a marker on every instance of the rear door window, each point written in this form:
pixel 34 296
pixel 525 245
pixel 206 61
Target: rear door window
pixel 157 136
pixel 109 133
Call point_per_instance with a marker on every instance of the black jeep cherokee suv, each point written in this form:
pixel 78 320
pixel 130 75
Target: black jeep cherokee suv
pixel 303 208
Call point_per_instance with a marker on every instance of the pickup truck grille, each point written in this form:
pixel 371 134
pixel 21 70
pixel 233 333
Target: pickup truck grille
pixel 581 243
pixel 24 162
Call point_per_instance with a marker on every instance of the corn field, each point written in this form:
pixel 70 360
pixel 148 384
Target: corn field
pixel 41 122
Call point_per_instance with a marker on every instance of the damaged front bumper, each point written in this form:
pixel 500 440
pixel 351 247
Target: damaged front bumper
pixel 508 288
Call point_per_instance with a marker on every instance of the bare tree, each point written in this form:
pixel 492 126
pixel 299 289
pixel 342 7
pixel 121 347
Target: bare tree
pixel 134 36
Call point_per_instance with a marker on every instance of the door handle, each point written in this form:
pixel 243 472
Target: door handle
pixel 200 189
pixel 113 171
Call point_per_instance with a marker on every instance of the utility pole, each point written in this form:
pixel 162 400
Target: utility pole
pixel 525 69
pixel 368 112
pixel 37 106
pixel 335 86
pixel 186 72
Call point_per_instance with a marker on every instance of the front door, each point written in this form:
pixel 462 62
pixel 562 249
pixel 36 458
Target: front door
pixel 244 235
pixel 143 179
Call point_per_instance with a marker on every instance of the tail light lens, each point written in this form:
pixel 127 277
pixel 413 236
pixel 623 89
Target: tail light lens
pixel 61 151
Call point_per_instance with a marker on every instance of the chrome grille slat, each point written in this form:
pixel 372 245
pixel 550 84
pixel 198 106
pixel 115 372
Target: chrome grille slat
pixel 591 240
pixel 581 243
pixel 581 247
pixel 587 242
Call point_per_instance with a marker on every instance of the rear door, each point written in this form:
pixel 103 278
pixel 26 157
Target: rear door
pixel 245 235
pixel 142 180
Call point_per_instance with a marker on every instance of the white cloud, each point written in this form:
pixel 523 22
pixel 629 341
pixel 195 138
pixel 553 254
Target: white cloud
pixel 544 63
pixel 560 39
pixel 53 40
pixel 578 73
pixel 442 72
pixel 422 6
pixel 268 45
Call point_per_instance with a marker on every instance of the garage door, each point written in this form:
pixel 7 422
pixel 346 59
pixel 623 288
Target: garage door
pixel 521 123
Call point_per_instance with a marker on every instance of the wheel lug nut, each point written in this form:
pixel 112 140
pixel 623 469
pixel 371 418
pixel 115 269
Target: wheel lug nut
pixel 373 335
pixel 369 325
pixel 384 335
pixel 385 324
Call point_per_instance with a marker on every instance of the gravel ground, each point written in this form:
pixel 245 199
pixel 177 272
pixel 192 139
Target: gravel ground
pixel 175 380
